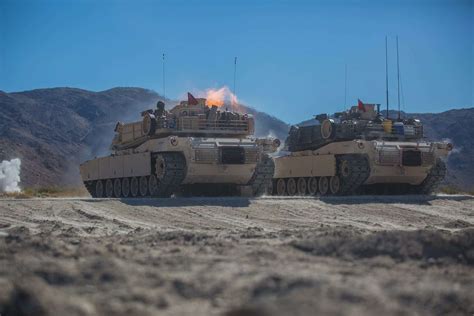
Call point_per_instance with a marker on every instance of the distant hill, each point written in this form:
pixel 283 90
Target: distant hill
pixel 53 130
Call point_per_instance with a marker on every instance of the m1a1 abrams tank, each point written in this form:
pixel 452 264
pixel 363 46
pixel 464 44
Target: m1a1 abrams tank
pixel 191 149
pixel 359 151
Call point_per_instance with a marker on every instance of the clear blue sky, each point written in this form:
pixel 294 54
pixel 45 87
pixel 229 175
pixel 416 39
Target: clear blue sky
pixel 291 54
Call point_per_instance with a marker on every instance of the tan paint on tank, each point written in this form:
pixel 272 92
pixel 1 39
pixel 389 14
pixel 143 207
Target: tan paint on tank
pixel 312 163
pixel 120 166
pixel 217 173
pixel 305 166
pixel 129 164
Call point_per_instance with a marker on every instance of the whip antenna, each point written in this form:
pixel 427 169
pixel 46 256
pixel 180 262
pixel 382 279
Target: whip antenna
pixel 345 86
pixel 402 94
pixel 235 72
pixel 398 79
pixel 386 72
pixel 164 83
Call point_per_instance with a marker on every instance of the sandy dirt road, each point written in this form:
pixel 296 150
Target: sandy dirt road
pixel 236 256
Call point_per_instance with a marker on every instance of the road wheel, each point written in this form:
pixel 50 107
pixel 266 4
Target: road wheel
pixel 301 186
pixel 153 185
pixel 312 186
pixel 435 176
pixel 134 187
pixel 269 189
pixel 291 186
pixel 99 189
pixel 170 170
pixel 109 188
pixel 143 188
pixel 160 167
pixel 353 171
pixel 323 185
pixel 125 187
pixel 281 187
pixel 344 168
pixel 334 185
pixel 117 188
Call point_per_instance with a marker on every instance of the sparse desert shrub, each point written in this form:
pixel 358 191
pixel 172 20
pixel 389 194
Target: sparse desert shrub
pixel 451 189
pixel 53 191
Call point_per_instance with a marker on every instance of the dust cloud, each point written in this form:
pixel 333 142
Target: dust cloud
pixel 10 176
pixel 353 255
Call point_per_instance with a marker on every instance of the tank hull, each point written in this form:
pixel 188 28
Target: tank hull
pixel 377 162
pixel 201 160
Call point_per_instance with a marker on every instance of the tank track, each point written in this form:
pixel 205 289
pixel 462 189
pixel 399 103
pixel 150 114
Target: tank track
pixel 209 189
pixel 433 179
pixel 358 172
pixel 174 174
pixel 90 187
pixel 262 178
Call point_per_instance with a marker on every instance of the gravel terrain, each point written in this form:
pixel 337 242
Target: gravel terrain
pixel 410 255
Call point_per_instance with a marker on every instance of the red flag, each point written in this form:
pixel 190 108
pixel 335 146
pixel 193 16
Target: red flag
pixel 360 105
pixel 192 100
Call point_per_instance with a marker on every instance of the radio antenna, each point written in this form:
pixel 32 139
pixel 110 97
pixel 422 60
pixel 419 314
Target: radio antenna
pixel 164 83
pixel 386 72
pixel 235 72
pixel 398 81
pixel 402 94
pixel 345 86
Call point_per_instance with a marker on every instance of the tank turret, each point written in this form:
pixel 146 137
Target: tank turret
pixel 189 118
pixel 363 121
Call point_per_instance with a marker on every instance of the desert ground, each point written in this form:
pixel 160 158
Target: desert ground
pixel 410 255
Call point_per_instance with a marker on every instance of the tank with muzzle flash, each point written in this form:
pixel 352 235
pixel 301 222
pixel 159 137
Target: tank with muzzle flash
pixel 188 118
pixel 192 149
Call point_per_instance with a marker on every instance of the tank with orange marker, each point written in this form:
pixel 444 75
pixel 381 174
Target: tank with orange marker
pixel 359 151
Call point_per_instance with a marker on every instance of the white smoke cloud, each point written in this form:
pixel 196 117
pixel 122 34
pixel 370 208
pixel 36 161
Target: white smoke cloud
pixel 10 175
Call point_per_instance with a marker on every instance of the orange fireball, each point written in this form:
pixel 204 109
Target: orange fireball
pixel 218 97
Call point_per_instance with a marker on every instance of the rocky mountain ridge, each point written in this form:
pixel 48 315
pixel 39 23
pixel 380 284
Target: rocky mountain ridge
pixel 53 130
